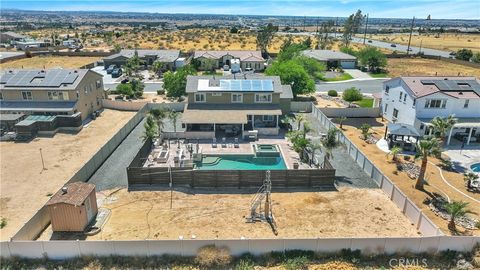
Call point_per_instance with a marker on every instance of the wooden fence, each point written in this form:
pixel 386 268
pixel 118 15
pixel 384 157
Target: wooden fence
pixel 160 176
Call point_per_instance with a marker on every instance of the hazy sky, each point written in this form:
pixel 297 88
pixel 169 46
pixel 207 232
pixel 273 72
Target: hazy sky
pixel 453 9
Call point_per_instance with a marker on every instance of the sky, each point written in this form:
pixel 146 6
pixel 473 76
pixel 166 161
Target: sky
pixel 443 9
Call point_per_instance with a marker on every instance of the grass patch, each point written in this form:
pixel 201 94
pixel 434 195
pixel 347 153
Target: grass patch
pixel 378 75
pixel 343 77
pixel 365 103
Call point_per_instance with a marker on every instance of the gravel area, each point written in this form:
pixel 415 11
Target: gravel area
pixel 113 172
pixel 348 173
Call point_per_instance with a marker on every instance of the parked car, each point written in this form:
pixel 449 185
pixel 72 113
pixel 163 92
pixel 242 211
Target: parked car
pixel 248 69
pixel 111 68
pixel 116 73
pixel 453 53
pixel 393 45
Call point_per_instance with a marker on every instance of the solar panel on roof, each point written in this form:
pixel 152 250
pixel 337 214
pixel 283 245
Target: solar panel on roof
pixel 246 85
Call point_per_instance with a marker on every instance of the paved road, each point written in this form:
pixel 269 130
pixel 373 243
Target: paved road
pixel 113 172
pixel 366 86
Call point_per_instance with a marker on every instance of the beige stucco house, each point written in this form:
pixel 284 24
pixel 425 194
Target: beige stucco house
pixel 248 59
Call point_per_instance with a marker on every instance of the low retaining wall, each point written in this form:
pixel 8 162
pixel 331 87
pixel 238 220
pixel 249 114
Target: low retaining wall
pixel 122 105
pixel 351 112
pixel 59 250
pixel 301 106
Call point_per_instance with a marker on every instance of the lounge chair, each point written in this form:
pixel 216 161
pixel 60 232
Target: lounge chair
pixel 224 142
pixel 235 144
pixel 214 143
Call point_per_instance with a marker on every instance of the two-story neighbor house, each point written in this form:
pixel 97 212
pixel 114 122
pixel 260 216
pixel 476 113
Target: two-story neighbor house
pixel 223 106
pixel 416 101
pixel 50 98
pixel 248 59
pixel 148 57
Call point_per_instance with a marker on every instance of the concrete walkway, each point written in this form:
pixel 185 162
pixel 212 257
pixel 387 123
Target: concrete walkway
pixel 357 74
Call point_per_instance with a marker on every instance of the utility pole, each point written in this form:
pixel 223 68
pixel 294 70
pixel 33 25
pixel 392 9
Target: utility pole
pixel 410 38
pixel 420 51
pixel 365 32
pixel 336 25
pixel 317 26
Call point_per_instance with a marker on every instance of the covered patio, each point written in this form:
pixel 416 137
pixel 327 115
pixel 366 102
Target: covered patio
pixel 401 135
pixel 212 120
pixel 466 130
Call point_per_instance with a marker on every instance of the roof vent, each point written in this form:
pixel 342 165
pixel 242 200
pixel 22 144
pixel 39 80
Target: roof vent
pixel 64 190
pixel 75 71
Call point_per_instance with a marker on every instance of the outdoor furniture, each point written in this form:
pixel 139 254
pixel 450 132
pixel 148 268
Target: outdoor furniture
pixel 214 143
pixel 236 145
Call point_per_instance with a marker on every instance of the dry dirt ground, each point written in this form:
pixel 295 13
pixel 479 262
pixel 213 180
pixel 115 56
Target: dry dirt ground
pixel 221 214
pixel 404 182
pixel 428 67
pixel 25 187
pixel 50 62
pixel 445 42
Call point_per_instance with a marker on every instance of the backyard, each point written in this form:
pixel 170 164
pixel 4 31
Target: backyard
pixel 41 62
pixel 26 186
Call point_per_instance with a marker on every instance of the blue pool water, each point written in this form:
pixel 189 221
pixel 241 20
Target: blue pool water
pixel 475 167
pixel 240 162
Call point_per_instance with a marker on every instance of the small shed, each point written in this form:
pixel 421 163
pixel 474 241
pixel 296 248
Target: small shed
pixel 73 207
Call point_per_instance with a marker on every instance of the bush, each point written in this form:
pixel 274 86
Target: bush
pixel 352 94
pixel 464 54
pixel 161 92
pixel 213 256
pixel 332 93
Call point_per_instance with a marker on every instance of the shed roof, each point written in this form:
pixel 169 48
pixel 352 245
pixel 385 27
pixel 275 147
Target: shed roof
pixel 77 193
pixel 246 56
pixel 402 130
pixel 10 116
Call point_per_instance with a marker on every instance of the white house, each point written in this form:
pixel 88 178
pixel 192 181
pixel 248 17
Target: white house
pixel 417 100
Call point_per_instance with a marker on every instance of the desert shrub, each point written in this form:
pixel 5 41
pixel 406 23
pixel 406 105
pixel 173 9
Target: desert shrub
pixel 296 263
pixel 332 93
pixel 351 255
pixel 3 223
pixel 213 256
pixel 352 94
pixel 161 92
pixel 245 264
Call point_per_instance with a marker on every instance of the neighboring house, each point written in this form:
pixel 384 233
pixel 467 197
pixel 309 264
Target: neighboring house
pixel 53 98
pixel 332 59
pixel 148 57
pixel 31 43
pixel 11 37
pixel 416 101
pixel 228 106
pixel 248 59
pixel 73 207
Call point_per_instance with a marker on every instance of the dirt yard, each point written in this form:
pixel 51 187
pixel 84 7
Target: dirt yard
pixel 25 187
pixel 427 67
pixel 50 62
pixel 404 182
pixel 147 215
pixel 445 42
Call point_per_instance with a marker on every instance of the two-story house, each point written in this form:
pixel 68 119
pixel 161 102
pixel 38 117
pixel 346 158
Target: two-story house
pixel 223 106
pixel 416 101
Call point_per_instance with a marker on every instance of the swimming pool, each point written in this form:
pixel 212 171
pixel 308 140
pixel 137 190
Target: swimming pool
pixel 240 162
pixel 475 167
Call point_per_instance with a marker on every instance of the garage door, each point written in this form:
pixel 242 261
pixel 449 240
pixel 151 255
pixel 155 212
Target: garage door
pixel 347 64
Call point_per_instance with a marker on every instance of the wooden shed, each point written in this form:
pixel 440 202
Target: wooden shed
pixel 73 207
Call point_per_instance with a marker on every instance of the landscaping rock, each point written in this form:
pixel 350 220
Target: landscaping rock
pixel 412 170
pixel 437 205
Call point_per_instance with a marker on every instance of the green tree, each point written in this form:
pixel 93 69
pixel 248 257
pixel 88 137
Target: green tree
pixel 312 66
pixel 365 129
pixel 341 120
pixel 476 57
pixel 289 51
pixel 124 89
pixel 151 129
pixel 157 67
pixel 324 39
pixel 442 125
pixel 306 129
pixel 294 74
pixel 132 65
pixel 348 50
pixel 372 58
pixel 159 116
pixel 456 209
pixel 330 142
pixel 348 30
pixel 137 87
pixel 352 94
pixel 464 54
pixel 265 36
pixel 357 21
pixel 394 152
pixel 173 116
pixel 234 30
pixel 174 83
pixel 300 118
pixel 426 148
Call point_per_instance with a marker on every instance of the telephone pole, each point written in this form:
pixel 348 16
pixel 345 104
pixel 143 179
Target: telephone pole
pixel 365 32
pixel 410 38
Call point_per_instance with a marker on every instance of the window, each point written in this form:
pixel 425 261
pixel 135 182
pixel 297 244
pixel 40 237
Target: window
pixel 466 103
pixel 57 95
pixel 200 97
pixel 414 102
pixel 263 98
pixel 435 103
pixel 1 96
pixel 395 113
pixel 268 118
pixel 400 99
pixel 422 126
pixel 387 89
pixel 404 98
pixel 237 98
pixel 78 94
pixel 27 95
pixel 386 107
pixel 216 94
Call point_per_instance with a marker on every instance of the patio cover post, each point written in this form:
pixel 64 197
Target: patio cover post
pixel 469 136
pixel 449 136
pixel 277 120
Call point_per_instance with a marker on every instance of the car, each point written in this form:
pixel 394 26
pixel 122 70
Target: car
pixel 226 68
pixel 453 53
pixel 393 45
pixel 111 68
pixel 116 73
pixel 369 41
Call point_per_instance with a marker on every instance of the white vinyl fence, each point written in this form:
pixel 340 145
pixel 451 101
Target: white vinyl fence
pixel 369 246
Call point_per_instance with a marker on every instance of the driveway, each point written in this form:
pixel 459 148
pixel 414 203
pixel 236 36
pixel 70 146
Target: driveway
pixel 357 74
pixel 365 86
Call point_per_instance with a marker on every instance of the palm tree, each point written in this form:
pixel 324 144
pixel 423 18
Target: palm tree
pixel 299 118
pixel 341 120
pixel 286 121
pixel 306 129
pixel 151 129
pixel 426 148
pixel 314 146
pixel 442 125
pixel 173 115
pixel 469 178
pixel 330 142
pixel 456 209
pixel 159 115
pixel 394 152
pixel 365 128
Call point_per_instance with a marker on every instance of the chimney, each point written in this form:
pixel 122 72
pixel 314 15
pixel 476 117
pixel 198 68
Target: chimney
pixel 64 190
